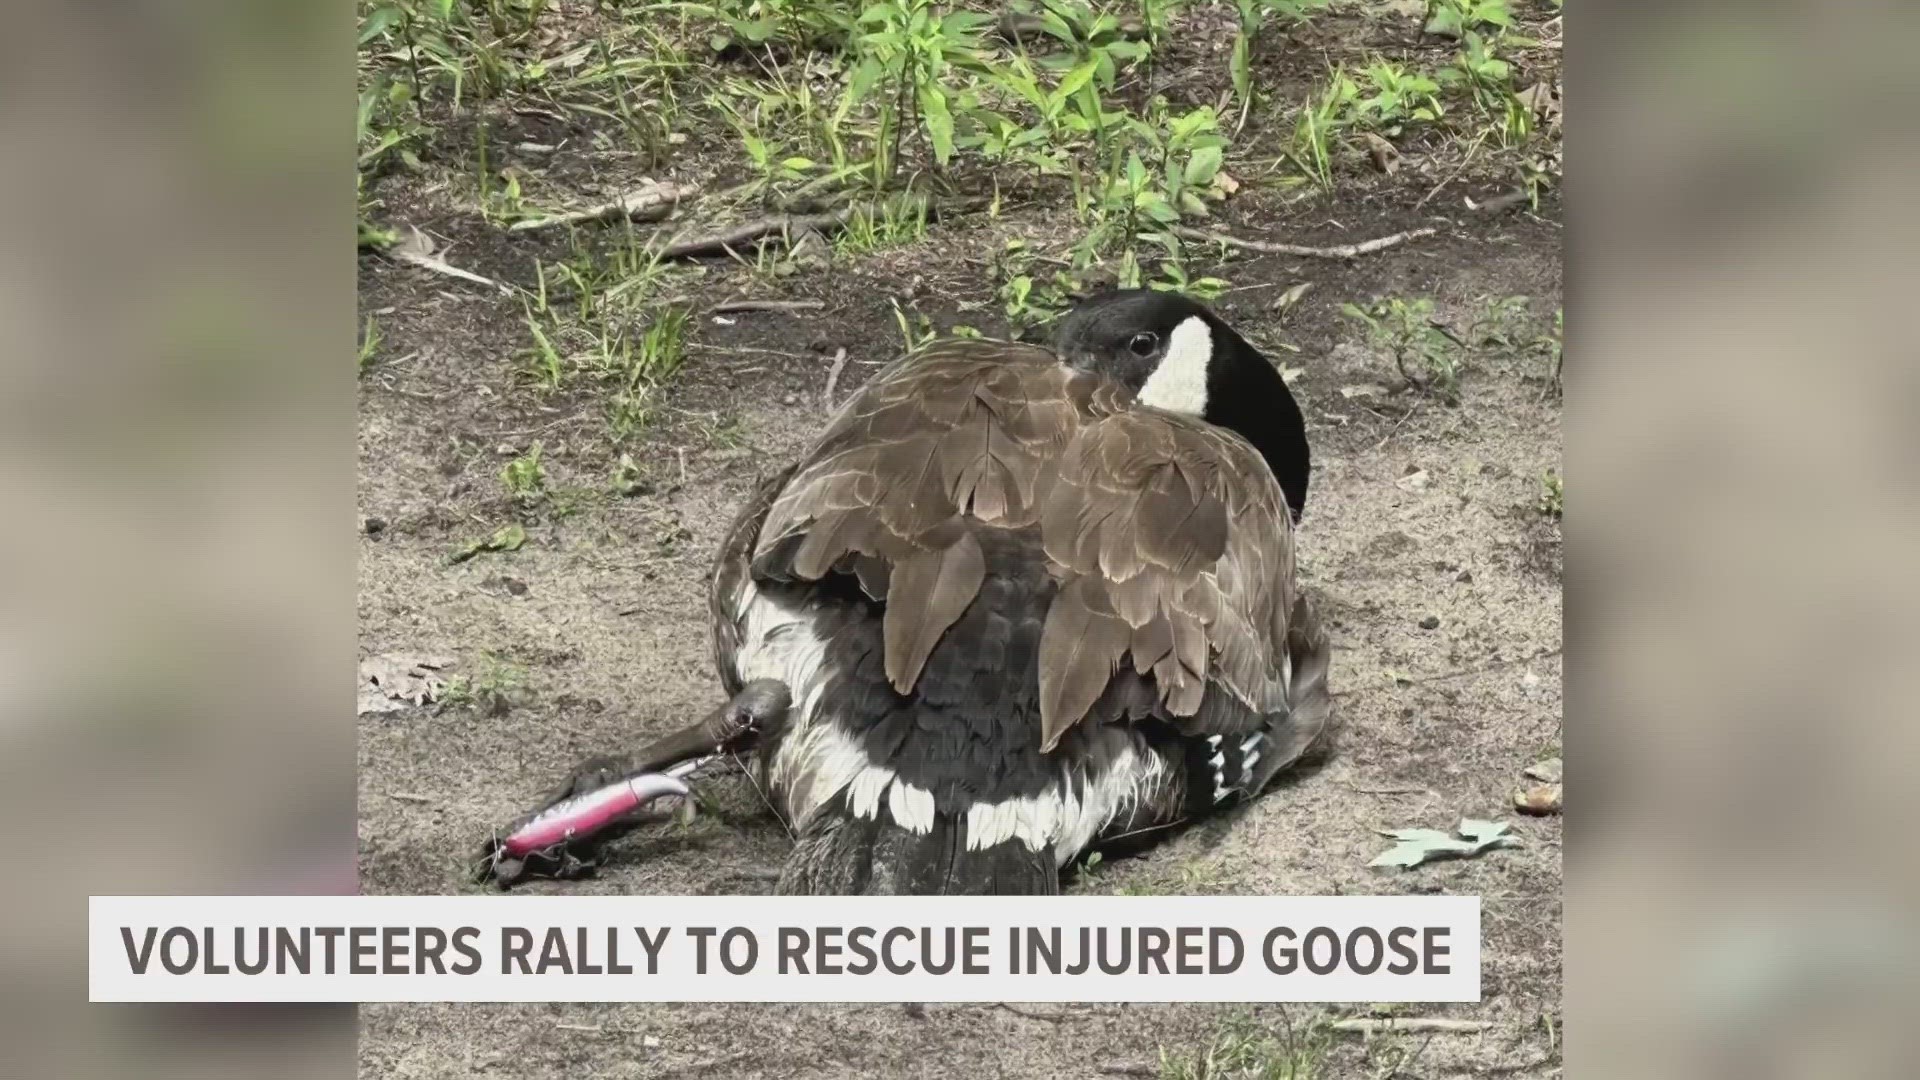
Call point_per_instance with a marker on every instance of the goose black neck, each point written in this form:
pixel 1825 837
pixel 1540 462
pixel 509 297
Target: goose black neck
pixel 1246 395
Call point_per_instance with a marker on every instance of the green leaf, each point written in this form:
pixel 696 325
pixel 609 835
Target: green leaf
pixel 382 20
pixel 962 24
pixel 1202 165
pixel 933 106
pixel 444 9
pixel 864 78
pixel 505 538
pixel 1193 204
pixel 1160 210
pixel 1076 79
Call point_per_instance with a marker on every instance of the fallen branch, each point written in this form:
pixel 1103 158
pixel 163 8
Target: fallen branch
pixel 1337 251
pixel 733 306
pixel 1122 1068
pixel 1373 1026
pixel 1501 202
pixel 417 250
pixel 650 203
pixel 833 377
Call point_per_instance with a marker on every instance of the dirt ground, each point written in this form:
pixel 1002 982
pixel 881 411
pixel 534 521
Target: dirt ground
pixel 1424 538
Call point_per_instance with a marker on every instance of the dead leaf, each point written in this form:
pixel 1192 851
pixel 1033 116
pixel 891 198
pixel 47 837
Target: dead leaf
pixel 1224 185
pixel 1385 156
pixel 394 681
pixel 1538 801
pixel 1417 846
pixel 417 249
pixel 1292 296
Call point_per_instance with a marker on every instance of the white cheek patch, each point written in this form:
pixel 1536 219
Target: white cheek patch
pixel 1179 384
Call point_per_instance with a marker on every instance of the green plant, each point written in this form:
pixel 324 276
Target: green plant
pixel 369 345
pixel 1316 129
pixel 1172 166
pixel 490 690
pixel 1244 1050
pixel 756 24
pixel 915 330
pixel 1424 353
pixel 1554 344
pixel 1553 500
pixel 524 477
pixel 905 51
pixel 1173 278
pixel 1500 323
pixel 1453 18
pixel 542 365
pixel 1254 15
pixel 890 223
pixel 643 371
pixel 1398 97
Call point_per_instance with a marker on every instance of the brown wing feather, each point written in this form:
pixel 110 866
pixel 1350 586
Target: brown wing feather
pixel 1171 538
pixel 1179 533
pixel 1081 644
pixel 928 592
pixel 954 437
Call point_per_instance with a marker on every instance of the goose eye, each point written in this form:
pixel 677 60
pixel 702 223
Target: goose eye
pixel 1143 343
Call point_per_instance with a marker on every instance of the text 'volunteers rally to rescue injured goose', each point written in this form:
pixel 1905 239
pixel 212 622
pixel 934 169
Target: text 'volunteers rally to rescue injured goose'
pixel 1015 604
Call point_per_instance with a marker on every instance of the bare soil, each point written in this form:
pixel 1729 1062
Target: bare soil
pixel 1439 574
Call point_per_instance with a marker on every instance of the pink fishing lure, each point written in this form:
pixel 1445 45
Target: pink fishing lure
pixel 584 815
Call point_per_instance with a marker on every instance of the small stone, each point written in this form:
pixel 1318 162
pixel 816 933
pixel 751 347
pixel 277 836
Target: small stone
pixel 790 399
pixel 1538 801
pixel 516 586
pixel 651 1042
pixel 373 526
pixel 1464 577
pixel 1413 481
pixel 1548 771
pixel 1431 622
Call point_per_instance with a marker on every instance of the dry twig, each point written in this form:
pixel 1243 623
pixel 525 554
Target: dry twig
pixel 1377 1025
pixel 650 203
pixel 726 240
pixel 734 306
pixel 417 250
pixel 1336 251
pixel 833 378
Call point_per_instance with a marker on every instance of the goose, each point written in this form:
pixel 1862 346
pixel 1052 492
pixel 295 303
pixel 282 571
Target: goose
pixel 1018 602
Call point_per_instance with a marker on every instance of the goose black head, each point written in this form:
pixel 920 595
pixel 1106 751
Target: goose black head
pixel 1178 356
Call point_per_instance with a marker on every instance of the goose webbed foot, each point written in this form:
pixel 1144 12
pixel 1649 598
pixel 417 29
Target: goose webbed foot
pixel 604 798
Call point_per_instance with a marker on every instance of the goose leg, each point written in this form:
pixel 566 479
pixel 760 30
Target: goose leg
pixel 606 797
